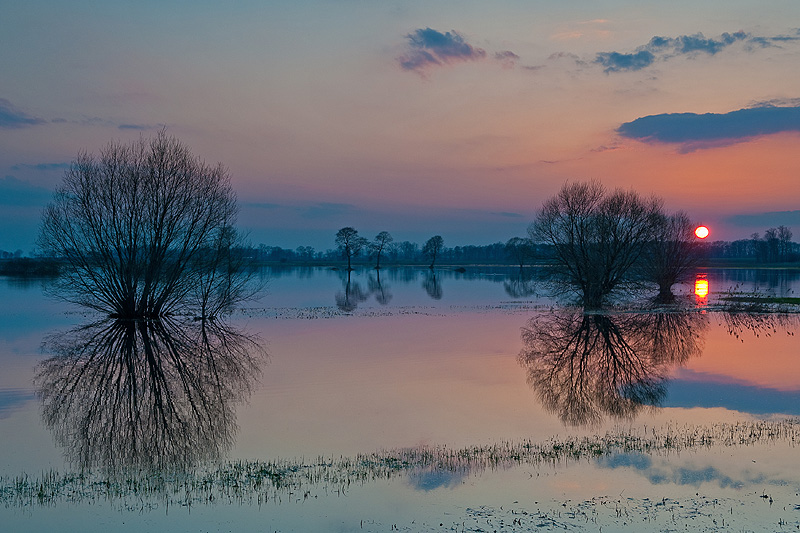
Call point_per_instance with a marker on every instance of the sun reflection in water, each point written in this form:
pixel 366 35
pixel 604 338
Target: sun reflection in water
pixel 701 289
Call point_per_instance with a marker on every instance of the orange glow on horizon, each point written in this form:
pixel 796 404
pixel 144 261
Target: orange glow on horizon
pixel 701 232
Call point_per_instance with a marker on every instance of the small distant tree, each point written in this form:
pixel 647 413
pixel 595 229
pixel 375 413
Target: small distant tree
pixel 671 256
pixel 520 250
pixel 350 244
pixel 379 246
pixel 432 248
pixel 784 235
pixel 596 237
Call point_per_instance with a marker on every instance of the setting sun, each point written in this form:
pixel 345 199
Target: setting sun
pixel 701 232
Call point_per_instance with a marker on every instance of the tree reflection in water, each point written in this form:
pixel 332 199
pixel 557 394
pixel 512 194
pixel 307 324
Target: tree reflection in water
pixel 520 285
pixel 146 394
pixel 584 366
pixel 759 323
pixel 353 295
pixel 432 285
pixel 381 290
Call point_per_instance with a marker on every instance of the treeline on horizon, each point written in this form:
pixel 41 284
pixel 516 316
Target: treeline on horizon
pixel 774 246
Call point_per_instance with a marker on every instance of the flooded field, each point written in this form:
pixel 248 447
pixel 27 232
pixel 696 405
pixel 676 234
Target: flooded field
pixel 412 401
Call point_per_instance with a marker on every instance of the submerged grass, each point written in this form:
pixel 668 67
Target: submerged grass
pixel 259 482
pixel 761 299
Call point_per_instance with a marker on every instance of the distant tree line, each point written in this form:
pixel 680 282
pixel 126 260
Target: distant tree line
pixel 19 266
pixel 775 246
pixel 394 253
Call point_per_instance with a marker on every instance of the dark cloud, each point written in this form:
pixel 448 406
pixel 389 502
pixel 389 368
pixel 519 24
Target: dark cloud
pixel 329 209
pixel 695 131
pixel 430 48
pixel 138 127
pixel 765 220
pixel 17 192
pixel 507 214
pixel 41 166
pixel 663 48
pixel 262 205
pixel 777 40
pixel 507 58
pixel 687 44
pixel 13 399
pixel 615 62
pixel 604 148
pixel 12 118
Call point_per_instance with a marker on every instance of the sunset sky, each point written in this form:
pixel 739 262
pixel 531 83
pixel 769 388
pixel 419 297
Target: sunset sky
pixel 455 118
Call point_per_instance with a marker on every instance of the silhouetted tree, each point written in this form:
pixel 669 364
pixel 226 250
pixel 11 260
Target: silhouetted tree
pixel 520 250
pixel 143 230
pixel 784 235
pixel 350 244
pixel 595 236
pixel 432 248
pixel 671 256
pixel 775 246
pixel 379 245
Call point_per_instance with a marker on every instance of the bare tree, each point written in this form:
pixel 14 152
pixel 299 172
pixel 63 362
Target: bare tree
pixel 521 250
pixel 432 248
pixel 785 240
pixel 379 245
pixel 596 237
pixel 671 256
pixel 350 244
pixel 144 230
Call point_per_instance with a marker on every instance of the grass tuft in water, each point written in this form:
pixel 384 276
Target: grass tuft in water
pixel 258 482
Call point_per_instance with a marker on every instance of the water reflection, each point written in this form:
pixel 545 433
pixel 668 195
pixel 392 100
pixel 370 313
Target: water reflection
pixel 701 289
pixel 586 366
pixel 380 289
pixel 352 295
pixel 146 394
pixel 520 285
pixel 759 323
pixel 433 285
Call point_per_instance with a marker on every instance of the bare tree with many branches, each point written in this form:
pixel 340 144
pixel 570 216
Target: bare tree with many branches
pixel 379 246
pixel 350 244
pixel 145 230
pixel 671 256
pixel 596 235
pixel 433 247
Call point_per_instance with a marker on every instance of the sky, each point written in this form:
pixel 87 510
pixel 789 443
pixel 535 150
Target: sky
pixel 456 118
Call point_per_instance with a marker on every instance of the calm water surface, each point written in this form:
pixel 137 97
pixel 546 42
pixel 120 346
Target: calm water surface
pixel 323 365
